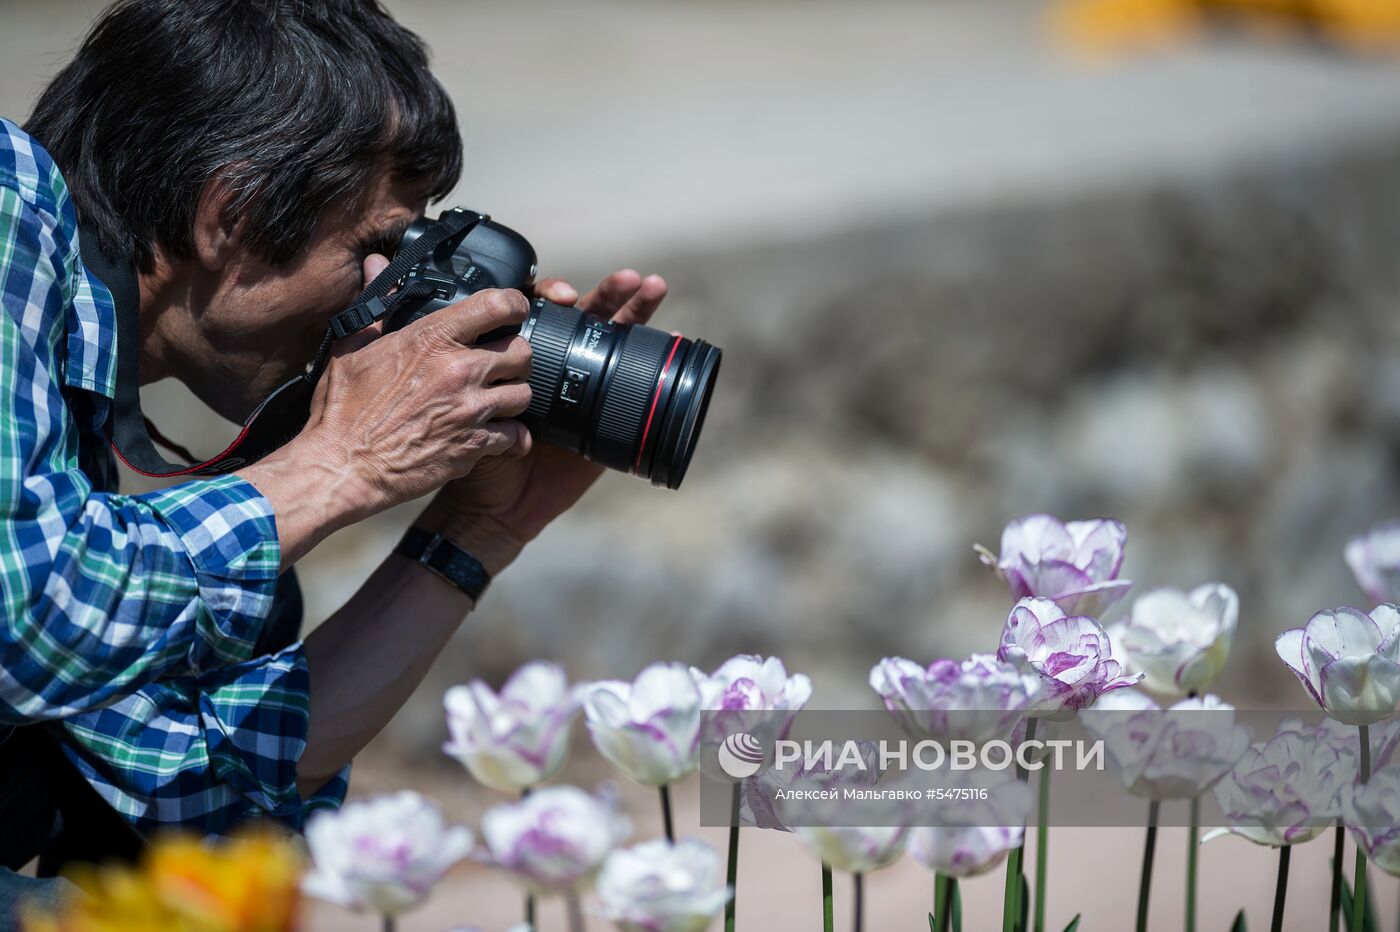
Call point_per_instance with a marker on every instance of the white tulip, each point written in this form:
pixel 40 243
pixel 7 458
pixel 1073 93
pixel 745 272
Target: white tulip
pixel 1179 640
pixel 649 728
pixel 658 886
pixel 517 739
pixel 382 854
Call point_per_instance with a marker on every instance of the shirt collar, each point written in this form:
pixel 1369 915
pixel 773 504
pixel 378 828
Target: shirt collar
pixel 91 322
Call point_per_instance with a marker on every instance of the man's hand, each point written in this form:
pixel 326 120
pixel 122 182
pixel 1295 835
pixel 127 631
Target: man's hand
pixel 399 415
pixel 507 501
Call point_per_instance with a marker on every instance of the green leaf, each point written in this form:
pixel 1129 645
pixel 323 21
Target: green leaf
pixel 1073 925
pixel 1024 924
pixel 1240 925
pixel 1368 921
pixel 957 906
pixel 932 923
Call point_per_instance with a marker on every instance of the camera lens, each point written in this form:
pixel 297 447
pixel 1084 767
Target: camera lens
pixel 628 397
pixel 625 396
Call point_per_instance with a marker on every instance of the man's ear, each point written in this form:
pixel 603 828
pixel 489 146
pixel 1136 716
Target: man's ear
pixel 216 231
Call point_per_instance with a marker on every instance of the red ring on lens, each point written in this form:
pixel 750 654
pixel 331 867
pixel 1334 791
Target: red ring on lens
pixel 656 396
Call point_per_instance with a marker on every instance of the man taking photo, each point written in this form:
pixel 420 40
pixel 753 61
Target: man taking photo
pixel 217 179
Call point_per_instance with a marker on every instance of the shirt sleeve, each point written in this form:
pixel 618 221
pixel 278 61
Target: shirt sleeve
pixel 205 753
pixel 101 593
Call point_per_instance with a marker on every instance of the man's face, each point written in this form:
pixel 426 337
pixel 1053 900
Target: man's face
pixel 252 326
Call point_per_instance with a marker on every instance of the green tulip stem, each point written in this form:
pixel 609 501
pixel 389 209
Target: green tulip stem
pixel 942 901
pixel 529 897
pixel 1193 856
pixel 1042 846
pixel 1011 900
pixel 1334 917
pixel 732 874
pixel 1358 884
pixel 666 813
pixel 858 921
pixel 828 915
pixel 388 924
pixel 1281 888
pixel 1149 851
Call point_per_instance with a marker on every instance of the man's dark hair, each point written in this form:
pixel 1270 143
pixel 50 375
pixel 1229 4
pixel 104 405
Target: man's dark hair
pixel 294 104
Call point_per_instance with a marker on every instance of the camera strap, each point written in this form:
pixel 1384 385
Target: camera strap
pixel 280 416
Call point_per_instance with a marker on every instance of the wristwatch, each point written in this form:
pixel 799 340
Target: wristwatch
pixel 446 559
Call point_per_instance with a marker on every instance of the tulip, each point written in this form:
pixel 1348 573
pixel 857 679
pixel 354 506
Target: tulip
pixel 977 700
pixel 1286 790
pixel 772 797
pixel 382 854
pixel 1371 812
pixel 1071 655
pixel 854 850
pixel 1075 564
pixel 1177 753
pixel 1374 558
pixel 1348 661
pixel 964 851
pixel 517 739
pixel 649 728
pixel 1179 641
pixel 746 694
pixel 242 884
pixel 660 886
pixel 555 839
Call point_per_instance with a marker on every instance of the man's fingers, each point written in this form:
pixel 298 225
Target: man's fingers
pixel 510 358
pixel 466 321
pixel 556 290
pixel 508 399
pixel 642 305
pixel 611 294
pixel 374 264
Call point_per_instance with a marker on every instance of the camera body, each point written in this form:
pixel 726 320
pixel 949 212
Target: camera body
pixel 628 397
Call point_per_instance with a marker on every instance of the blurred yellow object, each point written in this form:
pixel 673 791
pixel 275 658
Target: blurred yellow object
pixel 1098 26
pixel 246 884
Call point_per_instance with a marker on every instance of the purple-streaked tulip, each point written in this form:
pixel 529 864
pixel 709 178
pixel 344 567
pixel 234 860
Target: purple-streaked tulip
pixel 658 886
pixel 1177 753
pixel 854 850
pixel 1374 558
pixel 748 683
pixel 1371 812
pixel 1286 790
pixel 967 837
pixel 749 694
pixel 976 700
pixel 964 851
pixel 1070 654
pixel 649 728
pixel 1178 640
pixel 382 854
pixel 517 739
pixel 1074 563
pixel 555 839
pixel 763 804
pixel 1348 661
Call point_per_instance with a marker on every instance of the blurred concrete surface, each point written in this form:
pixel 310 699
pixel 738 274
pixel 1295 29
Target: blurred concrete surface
pixel 958 276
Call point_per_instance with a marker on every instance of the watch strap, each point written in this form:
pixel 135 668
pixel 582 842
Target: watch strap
pixel 446 559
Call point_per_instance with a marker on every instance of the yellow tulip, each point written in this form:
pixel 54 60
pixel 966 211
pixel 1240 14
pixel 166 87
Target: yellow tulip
pixel 243 884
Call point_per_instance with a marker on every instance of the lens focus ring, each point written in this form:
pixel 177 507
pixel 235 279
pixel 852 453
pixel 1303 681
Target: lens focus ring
pixel 632 387
pixel 549 346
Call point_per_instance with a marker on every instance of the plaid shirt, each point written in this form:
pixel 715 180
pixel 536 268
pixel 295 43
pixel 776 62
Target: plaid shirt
pixel 132 618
